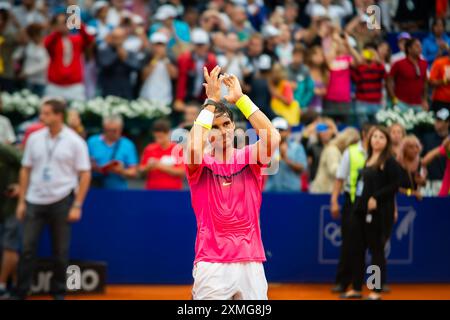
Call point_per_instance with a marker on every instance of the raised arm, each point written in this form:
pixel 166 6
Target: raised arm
pixel 435 153
pixel 269 138
pixel 87 38
pixel 430 156
pixel 198 134
pixel 357 59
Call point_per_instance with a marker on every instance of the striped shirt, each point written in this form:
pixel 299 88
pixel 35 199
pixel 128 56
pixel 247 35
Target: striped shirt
pixel 369 82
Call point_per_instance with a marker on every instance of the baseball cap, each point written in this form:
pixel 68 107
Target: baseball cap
pixel 280 123
pixel 199 36
pixel 270 31
pixel 443 114
pixel 158 37
pixel 264 62
pixel 166 11
pixel 403 35
pixel 97 6
pixel 321 127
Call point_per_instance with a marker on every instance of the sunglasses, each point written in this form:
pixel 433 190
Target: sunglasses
pixel 418 73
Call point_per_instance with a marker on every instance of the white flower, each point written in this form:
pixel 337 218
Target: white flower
pixel 28 104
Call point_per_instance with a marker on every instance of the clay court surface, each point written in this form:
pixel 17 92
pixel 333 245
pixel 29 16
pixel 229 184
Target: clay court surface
pixel 276 292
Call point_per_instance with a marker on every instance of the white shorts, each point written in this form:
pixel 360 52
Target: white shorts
pixel 229 281
pixel 70 92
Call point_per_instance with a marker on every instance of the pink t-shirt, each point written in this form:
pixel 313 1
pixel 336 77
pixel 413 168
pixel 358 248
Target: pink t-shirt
pixel 339 84
pixel 226 199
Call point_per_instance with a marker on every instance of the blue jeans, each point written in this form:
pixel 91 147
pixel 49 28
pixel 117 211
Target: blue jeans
pixel 37 89
pixel 366 111
pixel 406 106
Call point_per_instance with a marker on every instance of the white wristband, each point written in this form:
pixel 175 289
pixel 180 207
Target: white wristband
pixel 205 119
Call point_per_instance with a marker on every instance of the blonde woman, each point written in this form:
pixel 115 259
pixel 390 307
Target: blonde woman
pixel 412 174
pixel 330 159
pixel 396 132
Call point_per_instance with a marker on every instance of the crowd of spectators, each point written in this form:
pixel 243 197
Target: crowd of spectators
pixel 306 64
pixel 314 67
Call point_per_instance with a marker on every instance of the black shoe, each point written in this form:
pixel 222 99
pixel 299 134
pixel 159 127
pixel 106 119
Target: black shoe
pixel 338 289
pixel 356 295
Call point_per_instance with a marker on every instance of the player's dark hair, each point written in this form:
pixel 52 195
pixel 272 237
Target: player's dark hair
pixel 223 110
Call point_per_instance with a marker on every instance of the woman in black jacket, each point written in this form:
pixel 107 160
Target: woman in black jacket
pixel 373 217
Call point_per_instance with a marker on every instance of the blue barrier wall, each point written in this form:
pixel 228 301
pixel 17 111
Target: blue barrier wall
pixel 148 237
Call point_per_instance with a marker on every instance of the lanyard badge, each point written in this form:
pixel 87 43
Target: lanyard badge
pixel 46 174
pixel 47 171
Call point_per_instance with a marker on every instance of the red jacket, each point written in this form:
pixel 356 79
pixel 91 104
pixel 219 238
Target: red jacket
pixel 186 67
pixel 58 73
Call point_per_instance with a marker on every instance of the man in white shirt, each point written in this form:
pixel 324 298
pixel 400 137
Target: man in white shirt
pixel 233 61
pixel 27 13
pixel 159 72
pixel 7 134
pixel 54 180
pixel 336 11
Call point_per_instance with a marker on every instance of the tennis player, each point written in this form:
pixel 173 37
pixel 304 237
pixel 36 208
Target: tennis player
pixel 226 186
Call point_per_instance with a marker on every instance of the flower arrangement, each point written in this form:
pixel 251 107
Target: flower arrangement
pixel 409 119
pixel 27 104
pixel 22 102
pixel 140 108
